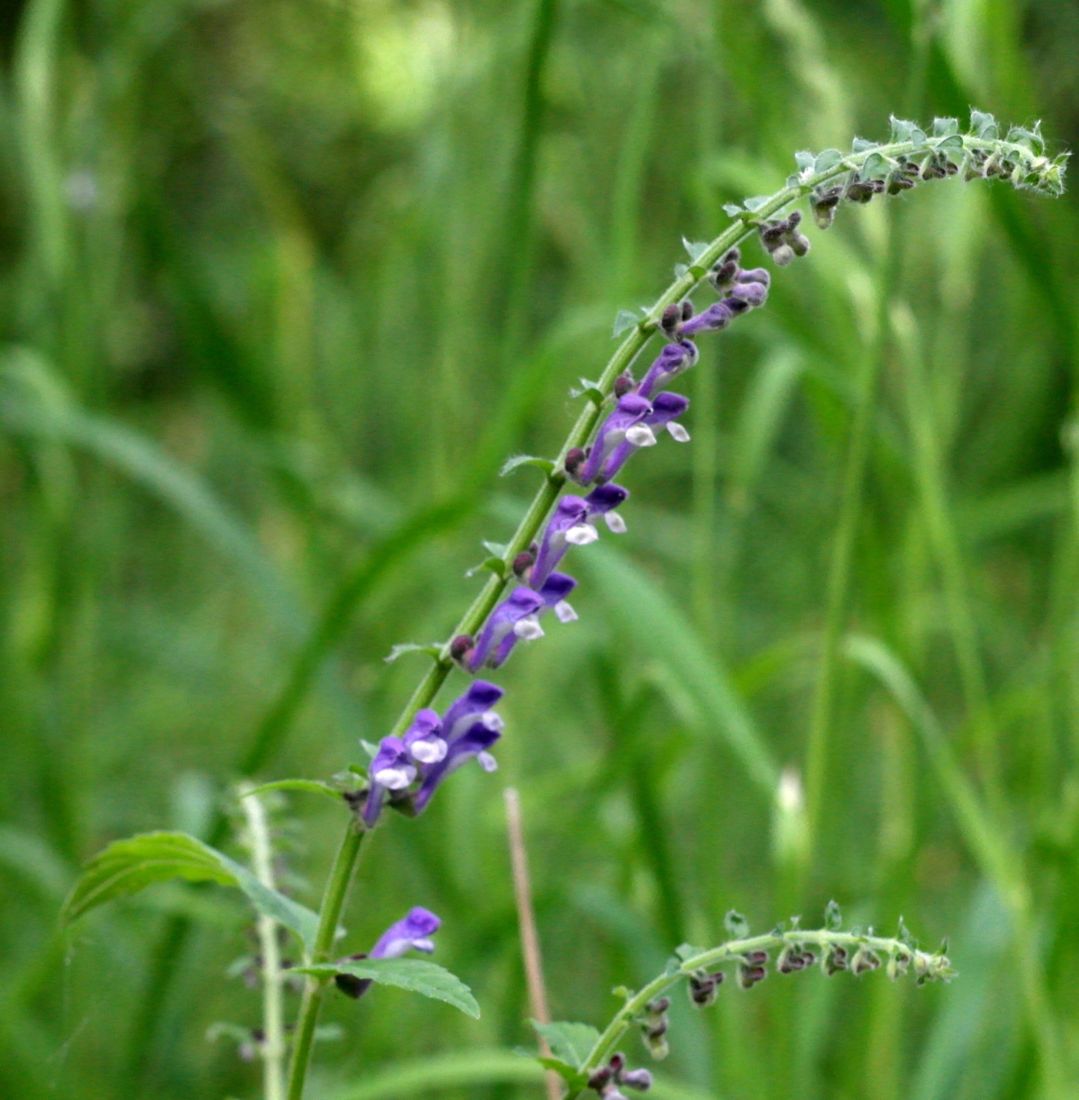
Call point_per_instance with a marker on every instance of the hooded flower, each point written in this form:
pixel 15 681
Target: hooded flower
pixel 624 422
pixel 412 933
pixel 554 592
pixel 513 619
pixel 673 359
pixel 665 409
pixel 573 524
pixel 432 748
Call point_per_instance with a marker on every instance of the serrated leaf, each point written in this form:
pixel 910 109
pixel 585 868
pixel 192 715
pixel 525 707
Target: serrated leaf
pixel 755 202
pixel 983 125
pixel 1029 139
pixel 414 975
pixel 517 461
pixel 624 320
pixel 305 786
pixel 826 159
pixel 737 926
pixel 127 866
pixel 695 249
pixel 432 649
pixel 945 127
pixel 733 209
pixel 569 1042
pixel 833 916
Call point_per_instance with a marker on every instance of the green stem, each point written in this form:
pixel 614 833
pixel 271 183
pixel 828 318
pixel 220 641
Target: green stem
pixel 272 1047
pixel 333 902
pixel 743 226
pixel 920 962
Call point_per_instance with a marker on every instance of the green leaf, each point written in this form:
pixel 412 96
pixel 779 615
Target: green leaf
pixel 687 951
pixel 624 320
pixel 128 866
pixel 517 461
pixel 862 145
pixel 570 1074
pixel 569 1042
pixel 804 160
pixel 737 926
pixel 491 564
pixel 415 975
pixel 826 159
pixel 983 125
pixel 695 249
pixel 901 129
pixel 755 202
pixel 733 209
pixel 833 916
pixel 307 786
pixel 432 649
pixel 875 166
pixel 945 127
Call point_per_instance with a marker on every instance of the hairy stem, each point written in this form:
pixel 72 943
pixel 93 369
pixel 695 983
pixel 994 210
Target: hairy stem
pixel 272 1047
pixel 333 902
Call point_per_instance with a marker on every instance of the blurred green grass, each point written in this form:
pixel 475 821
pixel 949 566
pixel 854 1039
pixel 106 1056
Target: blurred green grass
pixel 281 286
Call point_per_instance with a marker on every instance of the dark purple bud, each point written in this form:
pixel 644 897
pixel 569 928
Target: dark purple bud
pixel 623 384
pixel 574 457
pixel 523 562
pixel 749 976
pixel 600 1079
pixel 687 309
pixel 671 319
pixel 723 274
pixel 752 294
pixel 799 244
pixel 460 646
pixel 864 959
pixel 658 1006
pixel 617 1063
pixel 755 958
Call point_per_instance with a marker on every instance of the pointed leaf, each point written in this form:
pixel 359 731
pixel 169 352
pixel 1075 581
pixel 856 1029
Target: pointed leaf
pixel 755 202
pixel 695 249
pixel 833 916
pixel 432 649
pixel 826 159
pixel 737 926
pixel 517 461
pixel 624 320
pixel 415 975
pixel 128 866
pixel 307 786
pixel 945 127
pixel 733 209
pixel 569 1042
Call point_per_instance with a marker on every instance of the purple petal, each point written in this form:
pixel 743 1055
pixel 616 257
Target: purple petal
pixel 392 769
pixel 568 526
pixel 666 408
pixel 478 700
pixel 423 740
pixel 505 625
pixel 627 413
pixel 672 360
pixel 479 738
pixel 412 933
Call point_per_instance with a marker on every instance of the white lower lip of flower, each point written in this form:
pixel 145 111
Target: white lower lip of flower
pixel 429 752
pixel 528 629
pixel 564 612
pixel 677 432
pixel 641 435
pixel 492 721
pixel 615 523
pixel 582 534
pixel 426 946
pixel 487 762
pixel 395 779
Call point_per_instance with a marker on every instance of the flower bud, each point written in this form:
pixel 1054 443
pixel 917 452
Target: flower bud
pixel 671 319
pixel 575 456
pixel 639 1079
pixel 460 646
pixel 523 562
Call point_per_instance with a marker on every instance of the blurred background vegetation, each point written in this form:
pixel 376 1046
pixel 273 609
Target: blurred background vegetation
pixel 281 285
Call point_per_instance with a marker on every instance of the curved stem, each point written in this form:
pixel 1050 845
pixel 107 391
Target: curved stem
pixel 919 962
pixel 743 226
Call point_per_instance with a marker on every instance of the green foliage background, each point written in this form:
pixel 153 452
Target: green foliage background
pixel 282 284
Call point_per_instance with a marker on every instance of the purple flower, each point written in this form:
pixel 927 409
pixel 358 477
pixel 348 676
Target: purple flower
pixel 411 933
pixel 513 619
pixel 624 422
pixel 673 359
pixel 665 410
pixel 473 742
pixel 603 500
pixel 716 317
pixel 432 748
pixel 573 524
